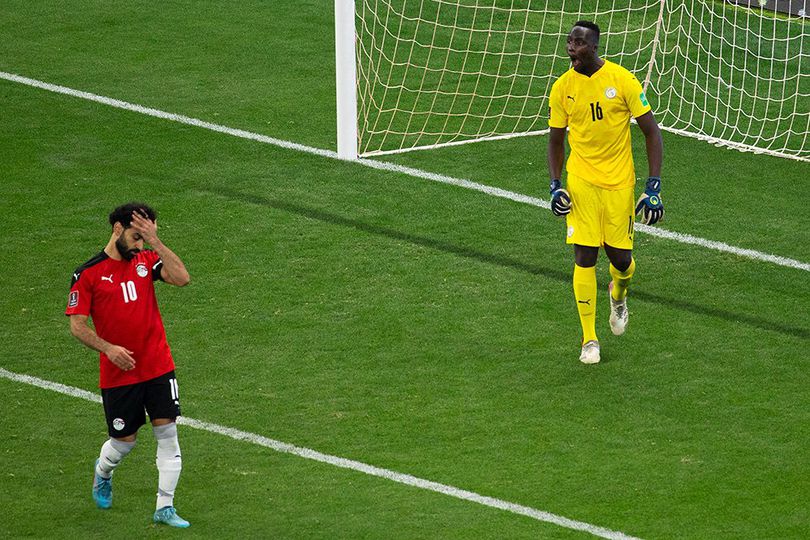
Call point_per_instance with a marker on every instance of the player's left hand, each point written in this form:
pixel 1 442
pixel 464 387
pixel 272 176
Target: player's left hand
pixel 649 205
pixel 145 227
pixel 560 199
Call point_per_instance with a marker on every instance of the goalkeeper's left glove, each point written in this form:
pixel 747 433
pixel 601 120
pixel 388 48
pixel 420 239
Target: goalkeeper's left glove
pixel 649 205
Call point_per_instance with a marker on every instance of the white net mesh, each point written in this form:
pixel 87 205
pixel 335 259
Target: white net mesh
pixel 737 76
pixel 438 72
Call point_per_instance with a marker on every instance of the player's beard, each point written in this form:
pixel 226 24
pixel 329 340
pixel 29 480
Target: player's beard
pixel 123 249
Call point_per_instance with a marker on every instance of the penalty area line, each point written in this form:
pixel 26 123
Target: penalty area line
pixel 344 463
pixel 391 167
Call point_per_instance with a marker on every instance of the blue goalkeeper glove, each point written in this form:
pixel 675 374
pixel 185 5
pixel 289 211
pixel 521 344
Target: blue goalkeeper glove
pixel 649 205
pixel 560 200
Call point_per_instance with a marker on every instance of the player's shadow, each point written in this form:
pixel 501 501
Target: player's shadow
pixel 500 260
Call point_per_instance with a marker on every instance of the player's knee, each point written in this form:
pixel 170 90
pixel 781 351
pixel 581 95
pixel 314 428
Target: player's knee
pixel 585 256
pixel 168 446
pixel 622 263
pixel 621 259
pixel 113 451
pixel 122 446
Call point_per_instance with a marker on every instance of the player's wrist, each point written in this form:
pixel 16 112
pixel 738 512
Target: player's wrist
pixel 554 185
pixel 653 185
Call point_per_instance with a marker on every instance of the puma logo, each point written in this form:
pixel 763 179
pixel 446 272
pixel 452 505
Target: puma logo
pixel 107 278
pixel 586 302
pixel 572 99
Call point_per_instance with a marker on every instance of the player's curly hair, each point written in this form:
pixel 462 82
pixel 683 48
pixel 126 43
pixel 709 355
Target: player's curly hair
pixel 123 214
pixel 590 26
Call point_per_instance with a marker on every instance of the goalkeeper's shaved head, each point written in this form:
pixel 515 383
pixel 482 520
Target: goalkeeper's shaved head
pixel 593 35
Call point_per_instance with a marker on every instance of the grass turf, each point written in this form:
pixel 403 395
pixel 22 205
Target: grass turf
pixel 378 317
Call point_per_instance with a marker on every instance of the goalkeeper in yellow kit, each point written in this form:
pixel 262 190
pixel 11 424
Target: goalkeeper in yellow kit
pixel 595 100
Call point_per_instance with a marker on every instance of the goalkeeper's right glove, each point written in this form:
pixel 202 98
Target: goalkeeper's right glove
pixel 560 200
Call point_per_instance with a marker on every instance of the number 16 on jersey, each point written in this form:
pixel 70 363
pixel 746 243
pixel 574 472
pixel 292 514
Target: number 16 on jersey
pixel 596 111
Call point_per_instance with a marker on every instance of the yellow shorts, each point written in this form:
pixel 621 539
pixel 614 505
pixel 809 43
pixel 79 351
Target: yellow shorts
pixel 600 216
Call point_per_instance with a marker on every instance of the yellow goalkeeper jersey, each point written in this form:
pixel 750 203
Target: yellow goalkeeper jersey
pixel 597 110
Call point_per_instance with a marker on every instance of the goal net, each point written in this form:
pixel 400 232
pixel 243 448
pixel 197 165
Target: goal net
pixel 441 72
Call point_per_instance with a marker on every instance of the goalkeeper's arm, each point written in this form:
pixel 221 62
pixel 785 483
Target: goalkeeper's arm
pixel 655 145
pixel 560 200
pixel 649 204
pixel 556 152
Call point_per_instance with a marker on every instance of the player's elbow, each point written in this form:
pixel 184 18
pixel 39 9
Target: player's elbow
pixel 653 131
pixel 177 276
pixel 182 280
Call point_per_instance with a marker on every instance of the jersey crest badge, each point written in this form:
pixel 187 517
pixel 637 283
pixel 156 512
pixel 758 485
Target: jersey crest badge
pixel 73 299
pixel 610 92
pixel 141 270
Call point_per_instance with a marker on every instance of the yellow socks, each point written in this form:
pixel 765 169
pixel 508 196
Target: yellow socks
pixel 585 294
pixel 621 280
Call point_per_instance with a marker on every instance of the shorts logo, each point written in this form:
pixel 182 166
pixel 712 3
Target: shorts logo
pixel 570 231
pixel 118 424
pixel 73 299
pixel 142 270
pixel 610 92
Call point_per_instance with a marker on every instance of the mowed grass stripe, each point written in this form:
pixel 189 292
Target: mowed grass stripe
pixel 344 463
pixel 381 165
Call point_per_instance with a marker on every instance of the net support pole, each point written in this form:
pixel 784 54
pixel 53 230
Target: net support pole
pixel 656 39
pixel 346 79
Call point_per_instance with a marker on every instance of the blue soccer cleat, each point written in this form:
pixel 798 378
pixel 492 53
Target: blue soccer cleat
pixel 102 490
pixel 168 515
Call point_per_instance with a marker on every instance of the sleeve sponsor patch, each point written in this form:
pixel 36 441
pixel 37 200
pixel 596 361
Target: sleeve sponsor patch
pixel 643 99
pixel 73 299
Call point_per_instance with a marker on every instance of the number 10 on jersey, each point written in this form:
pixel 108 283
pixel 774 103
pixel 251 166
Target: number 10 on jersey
pixel 130 293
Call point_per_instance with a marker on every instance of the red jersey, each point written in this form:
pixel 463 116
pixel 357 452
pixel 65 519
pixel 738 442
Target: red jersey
pixel 120 298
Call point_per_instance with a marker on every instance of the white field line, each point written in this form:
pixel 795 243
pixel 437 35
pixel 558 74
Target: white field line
pixel 381 165
pixel 344 463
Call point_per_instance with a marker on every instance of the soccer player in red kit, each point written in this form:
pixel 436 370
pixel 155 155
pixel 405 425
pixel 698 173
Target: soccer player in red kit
pixel 116 289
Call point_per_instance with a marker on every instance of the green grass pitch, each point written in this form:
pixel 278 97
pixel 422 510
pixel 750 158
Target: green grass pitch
pixel 414 326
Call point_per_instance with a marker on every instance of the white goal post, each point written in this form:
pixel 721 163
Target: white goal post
pixel 346 79
pixel 415 74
